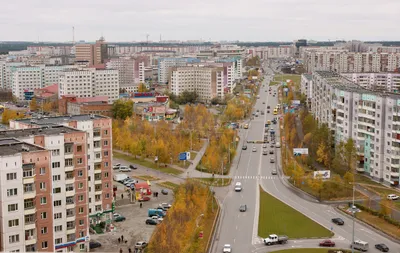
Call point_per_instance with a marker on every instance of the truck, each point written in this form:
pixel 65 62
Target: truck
pixel 156 212
pixel 120 177
pixel 275 239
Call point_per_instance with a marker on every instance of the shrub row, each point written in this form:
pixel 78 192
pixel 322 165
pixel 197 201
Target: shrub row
pixel 379 214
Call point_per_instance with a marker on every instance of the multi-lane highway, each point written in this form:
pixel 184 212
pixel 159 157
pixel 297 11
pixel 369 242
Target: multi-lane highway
pixel 254 169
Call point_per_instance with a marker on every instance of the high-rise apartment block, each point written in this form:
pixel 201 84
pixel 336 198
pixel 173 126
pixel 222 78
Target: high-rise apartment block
pixel 90 82
pixel 131 69
pixel 92 54
pixel 371 118
pixel 207 81
pixel 376 81
pixel 165 65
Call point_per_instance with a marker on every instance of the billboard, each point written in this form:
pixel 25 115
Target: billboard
pixel 300 151
pixel 143 94
pixel 295 102
pixel 159 109
pixel 324 174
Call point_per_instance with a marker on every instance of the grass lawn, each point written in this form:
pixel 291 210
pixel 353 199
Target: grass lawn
pixel 168 185
pixel 295 78
pixel 147 164
pixel 214 181
pixel 316 250
pixel 193 155
pixel 279 218
pixel 147 177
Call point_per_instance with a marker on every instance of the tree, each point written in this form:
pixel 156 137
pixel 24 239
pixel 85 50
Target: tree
pixel 323 155
pixel 386 207
pixel 10 115
pixel 122 109
pixel 33 104
pixel 142 88
pixel 48 106
pixel 350 154
pixel 348 178
pixel 298 175
pixel 316 184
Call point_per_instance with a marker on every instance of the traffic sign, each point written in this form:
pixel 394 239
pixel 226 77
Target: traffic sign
pixel 184 156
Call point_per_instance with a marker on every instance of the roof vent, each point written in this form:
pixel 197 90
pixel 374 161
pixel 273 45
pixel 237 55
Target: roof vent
pixel 25 148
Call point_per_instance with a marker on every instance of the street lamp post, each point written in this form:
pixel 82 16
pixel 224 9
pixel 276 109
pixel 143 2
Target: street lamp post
pixel 354 214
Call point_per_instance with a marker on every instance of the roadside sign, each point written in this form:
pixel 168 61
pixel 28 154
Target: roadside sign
pixel 300 151
pixel 183 156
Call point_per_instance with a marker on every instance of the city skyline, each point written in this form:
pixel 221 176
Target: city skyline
pixel 258 20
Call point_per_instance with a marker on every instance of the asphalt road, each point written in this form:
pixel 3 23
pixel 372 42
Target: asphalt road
pixel 241 229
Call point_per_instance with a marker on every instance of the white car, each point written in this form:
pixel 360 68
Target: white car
pixel 157 218
pixel 227 248
pixel 264 146
pixel 254 149
pixel 392 197
pixel 124 169
pixel 277 145
pixel 238 187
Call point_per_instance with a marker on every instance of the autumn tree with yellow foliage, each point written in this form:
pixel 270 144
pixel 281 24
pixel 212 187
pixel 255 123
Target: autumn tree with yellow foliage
pixel 10 115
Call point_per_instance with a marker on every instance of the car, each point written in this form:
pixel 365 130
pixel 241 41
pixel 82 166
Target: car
pixel 227 248
pixel 165 205
pixel 382 247
pixel 238 187
pixel 268 107
pixel 327 243
pixel 124 169
pixel 119 218
pixel 133 167
pixel 272 160
pixel 278 145
pixel 243 208
pixel 141 245
pixel 157 218
pixel 265 152
pixel 244 147
pixel 128 183
pixel 161 208
pixel 264 145
pixel 164 192
pixel 274 172
pixel 258 110
pixel 263 103
pixel 272 144
pixel 271 151
pixel 267 111
pixel 392 197
pixel 93 245
pixel 254 149
pixel 151 221
pixel 116 166
pixel 338 221
pixel 144 199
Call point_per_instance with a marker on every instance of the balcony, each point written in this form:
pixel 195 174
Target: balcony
pixel 97 188
pixel 394 174
pixel 29 191
pixel 28 173
pixel 96 134
pixel 97 157
pixel 70 201
pixel 29 206
pixel 30 247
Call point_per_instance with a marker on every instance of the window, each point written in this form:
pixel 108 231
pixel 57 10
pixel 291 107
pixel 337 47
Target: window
pixel 13 207
pixel 13 223
pixel 81 246
pixel 55 165
pixel 13 238
pixel 43 215
pixel 105 143
pixel 55 152
pixel 80 198
pixel 58 228
pixel 42 186
pixel 69 187
pixel 105 153
pixel 79 148
pixel 42 171
pixel 80 185
pixel 44 245
pixel 105 132
pixel 58 240
pixel 69 162
pixel 11 176
pixel 80 173
pixel 81 223
pixel 107 196
pixel 12 192
pixel 105 174
pixel 57 203
pixel 57 216
pixel 79 160
pixel 43 230
pixel 43 200
pixel 56 177
pixel 105 164
pixel 80 209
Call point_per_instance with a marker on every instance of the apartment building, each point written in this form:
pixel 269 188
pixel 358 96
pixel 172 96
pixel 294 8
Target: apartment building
pixel 207 81
pixel 306 87
pixel 93 54
pixel 5 73
pixel 99 156
pixel 177 48
pixel 376 81
pixel 165 65
pixel 125 67
pixel 228 51
pixel 369 117
pixel 90 82
pixel 59 179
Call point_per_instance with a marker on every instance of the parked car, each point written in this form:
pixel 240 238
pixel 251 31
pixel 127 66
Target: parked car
pixel 327 243
pixel 150 221
pixel 227 248
pixel 133 167
pixel 93 245
pixel 165 205
pixel 338 221
pixel 144 199
pixel 119 218
pixel 157 218
pixel 382 247
pixel 392 197
pixel 244 147
pixel 141 245
pixel 243 208
pixel 164 192
pixel 124 169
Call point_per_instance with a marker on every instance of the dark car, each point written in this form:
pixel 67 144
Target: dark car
pixel 267 106
pixel 151 222
pixel 244 147
pixel 144 199
pixel 327 243
pixel 93 245
pixel 132 167
pixel 243 208
pixel 382 247
pixel 164 192
pixel 338 221
pixel 119 218
pixel 267 111
pixel 271 151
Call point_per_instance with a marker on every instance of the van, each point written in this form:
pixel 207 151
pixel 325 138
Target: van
pixel 360 245
pixel 238 187
pixel 120 177
pixel 246 126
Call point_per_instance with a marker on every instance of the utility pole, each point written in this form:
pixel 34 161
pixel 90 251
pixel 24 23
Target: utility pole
pixel 354 214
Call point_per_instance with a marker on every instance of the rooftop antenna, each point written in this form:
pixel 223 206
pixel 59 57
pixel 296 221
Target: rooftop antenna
pixel 73 35
pixel 147 38
pixel 160 37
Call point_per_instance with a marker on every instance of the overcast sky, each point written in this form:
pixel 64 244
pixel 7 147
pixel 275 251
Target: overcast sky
pixel 244 20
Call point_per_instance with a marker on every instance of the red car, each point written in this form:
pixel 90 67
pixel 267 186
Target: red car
pixel 143 199
pixel 327 243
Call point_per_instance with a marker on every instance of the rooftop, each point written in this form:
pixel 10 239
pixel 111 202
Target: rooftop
pixel 48 130
pixel 45 121
pixel 13 146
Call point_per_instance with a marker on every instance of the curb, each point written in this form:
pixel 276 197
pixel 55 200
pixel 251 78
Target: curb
pixel 372 227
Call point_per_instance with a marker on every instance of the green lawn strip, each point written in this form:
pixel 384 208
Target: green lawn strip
pixel 314 250
pixel 214 181
pixel 193 155
pixel 147 164
pixel 147 177
pixel 278 218
pixel 168 185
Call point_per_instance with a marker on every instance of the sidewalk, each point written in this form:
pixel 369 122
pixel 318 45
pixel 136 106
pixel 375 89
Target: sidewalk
pixel 191 170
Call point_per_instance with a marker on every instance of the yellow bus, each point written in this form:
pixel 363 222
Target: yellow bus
pixel 275 111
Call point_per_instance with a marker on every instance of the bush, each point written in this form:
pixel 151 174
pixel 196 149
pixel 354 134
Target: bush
pixel 379 214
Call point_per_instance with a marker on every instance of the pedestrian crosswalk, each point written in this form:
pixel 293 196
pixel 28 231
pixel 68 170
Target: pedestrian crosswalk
pixel 257 240
pixel 260 177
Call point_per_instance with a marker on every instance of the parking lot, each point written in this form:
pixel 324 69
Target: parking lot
pixel 133 228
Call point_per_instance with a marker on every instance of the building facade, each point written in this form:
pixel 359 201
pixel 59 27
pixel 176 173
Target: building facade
pixel 165 65
pixel 376 81
pixel 93 54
